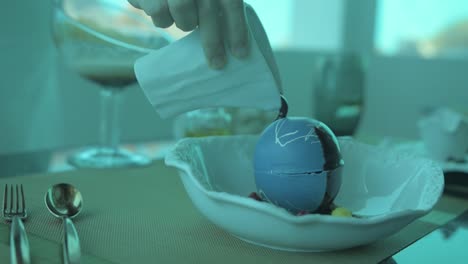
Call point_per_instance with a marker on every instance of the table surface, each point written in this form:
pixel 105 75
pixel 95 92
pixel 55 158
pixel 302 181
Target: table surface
pixel 143 215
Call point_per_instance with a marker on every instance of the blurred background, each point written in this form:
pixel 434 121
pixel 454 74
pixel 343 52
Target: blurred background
pixel 411 55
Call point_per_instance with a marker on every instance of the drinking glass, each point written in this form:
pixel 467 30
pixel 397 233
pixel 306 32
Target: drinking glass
pixel 339 85
pixel 100 40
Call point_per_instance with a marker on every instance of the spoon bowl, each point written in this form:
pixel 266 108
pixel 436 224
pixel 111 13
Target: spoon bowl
pixel 64 200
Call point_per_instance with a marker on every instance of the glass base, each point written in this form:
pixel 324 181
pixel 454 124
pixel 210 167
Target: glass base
pixel 107 158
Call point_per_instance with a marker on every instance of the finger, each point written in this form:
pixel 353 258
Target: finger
pixel 158 10
pixel 184 13
pixel 210 33
pixel 236 27
pixel 134 3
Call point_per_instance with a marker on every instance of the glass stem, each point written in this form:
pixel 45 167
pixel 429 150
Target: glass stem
pixel 109 128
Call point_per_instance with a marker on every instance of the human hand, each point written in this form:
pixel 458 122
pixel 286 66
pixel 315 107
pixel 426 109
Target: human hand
pixel 221 23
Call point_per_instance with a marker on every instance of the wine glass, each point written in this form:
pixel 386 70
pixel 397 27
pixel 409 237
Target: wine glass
pixel 339 91
pixel 100 40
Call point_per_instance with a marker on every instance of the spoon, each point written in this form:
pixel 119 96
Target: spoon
pixel 65 201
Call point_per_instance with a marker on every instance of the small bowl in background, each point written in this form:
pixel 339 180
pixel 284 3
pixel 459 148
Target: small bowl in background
pixel 444 133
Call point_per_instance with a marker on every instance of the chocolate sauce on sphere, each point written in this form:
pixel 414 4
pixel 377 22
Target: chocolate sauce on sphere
pixel 298 165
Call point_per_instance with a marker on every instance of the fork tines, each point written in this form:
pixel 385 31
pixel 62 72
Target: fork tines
pixel 17 203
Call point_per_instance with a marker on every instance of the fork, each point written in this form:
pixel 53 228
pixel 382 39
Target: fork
pixel 14 211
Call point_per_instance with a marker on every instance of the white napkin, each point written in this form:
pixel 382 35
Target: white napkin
pixel 177 79
pixel 445 134
pixel 447 119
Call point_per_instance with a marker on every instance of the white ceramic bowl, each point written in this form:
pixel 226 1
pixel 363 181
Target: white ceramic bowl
pixel 388 189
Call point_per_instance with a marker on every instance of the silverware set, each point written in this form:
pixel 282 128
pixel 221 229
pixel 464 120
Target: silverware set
pixel 62 200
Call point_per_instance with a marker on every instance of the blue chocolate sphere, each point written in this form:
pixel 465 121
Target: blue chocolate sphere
pixel 298 164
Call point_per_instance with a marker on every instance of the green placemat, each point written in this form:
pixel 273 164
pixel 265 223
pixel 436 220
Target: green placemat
pixel 144 216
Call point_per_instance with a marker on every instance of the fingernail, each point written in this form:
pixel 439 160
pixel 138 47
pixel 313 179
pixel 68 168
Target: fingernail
pixel 218 62
pixel 240 51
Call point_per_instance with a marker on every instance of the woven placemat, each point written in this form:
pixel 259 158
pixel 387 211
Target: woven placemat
pixel 144 216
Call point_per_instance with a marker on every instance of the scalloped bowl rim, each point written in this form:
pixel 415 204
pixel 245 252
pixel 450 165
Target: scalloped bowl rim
pixel 276 211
